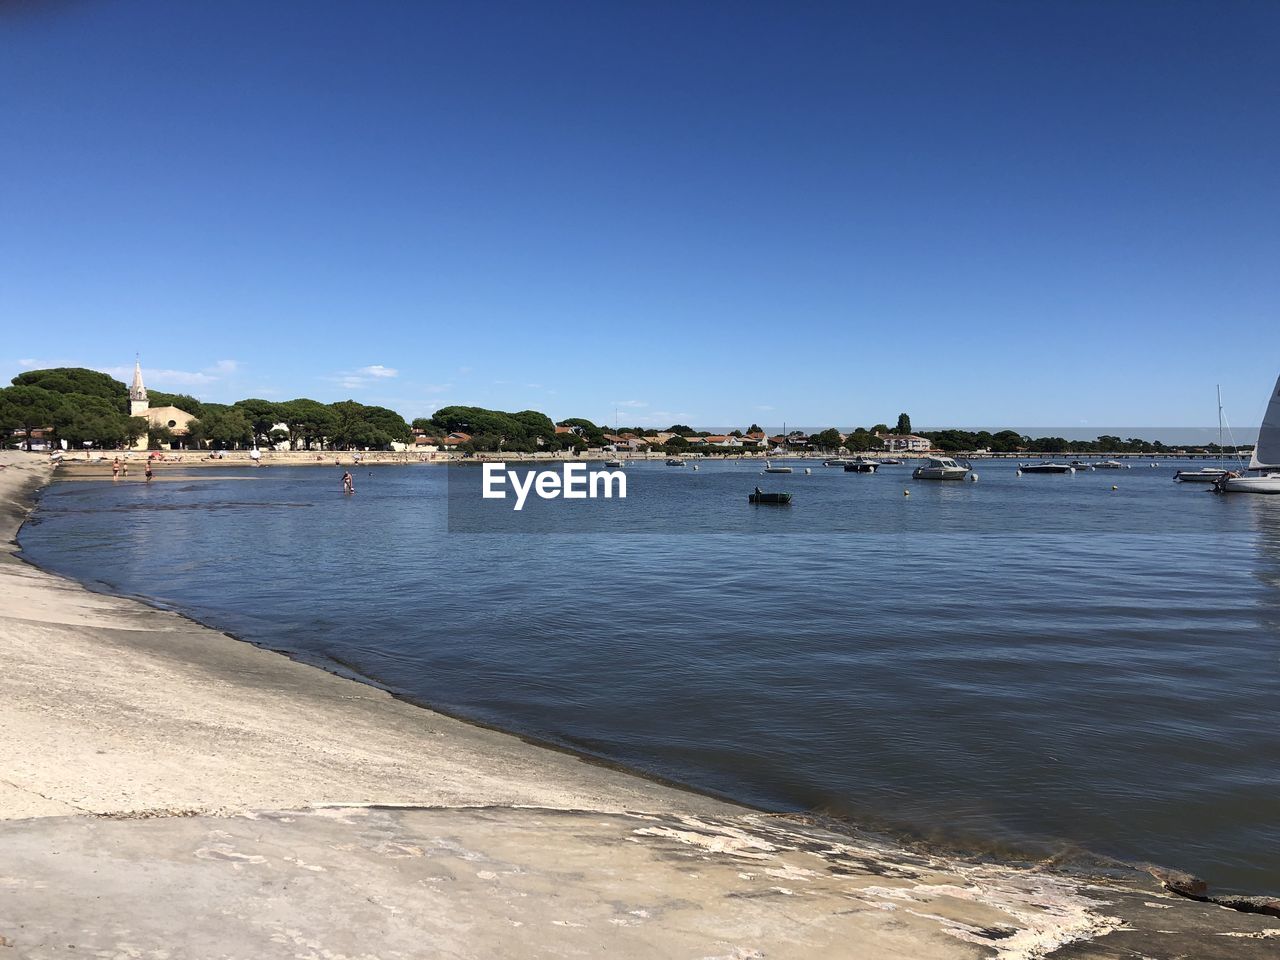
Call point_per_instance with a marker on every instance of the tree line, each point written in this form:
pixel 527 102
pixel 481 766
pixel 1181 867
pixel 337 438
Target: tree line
pixel 87 407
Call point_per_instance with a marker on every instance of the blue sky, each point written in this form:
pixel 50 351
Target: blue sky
pixel 981 213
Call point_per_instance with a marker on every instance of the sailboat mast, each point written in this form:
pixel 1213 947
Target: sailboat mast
pixel 1221 453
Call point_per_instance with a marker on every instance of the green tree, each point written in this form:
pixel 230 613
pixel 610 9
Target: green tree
pixel 90 383
pixel 262 415
pixel 904 424
pixel 828 439
pixel 30 408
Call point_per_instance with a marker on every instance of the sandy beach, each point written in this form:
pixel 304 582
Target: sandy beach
pixel 170 791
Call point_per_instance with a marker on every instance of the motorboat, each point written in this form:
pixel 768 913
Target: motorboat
pixel 770 468
pixel 1109 465
pixel 889 462
pixel 1264 464
pixel 1046 468
pixel 940 468
pixel 1081 465
pixel 674 462
pixel 759 496
pixel 835 462
pixel 859 465
pixel 1203 475
pixel 614 464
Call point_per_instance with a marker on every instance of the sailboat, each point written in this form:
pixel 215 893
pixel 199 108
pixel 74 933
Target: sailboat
pixel 1265 462
pixel 1207 474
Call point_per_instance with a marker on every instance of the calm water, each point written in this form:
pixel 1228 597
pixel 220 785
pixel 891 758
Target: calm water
pixel 1026 677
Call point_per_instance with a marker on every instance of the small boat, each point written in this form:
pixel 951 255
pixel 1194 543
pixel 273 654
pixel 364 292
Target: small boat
pixel 889 462
pixel 759 496
pixel 1203 475
pixel 1046 468
pixel 940 468
pixel 1265 462
pixel 858 465
pixel 1081 465
pixel 674 462
pixel 615 463
pixel 835 462
pixel 770 468
pixel 1109 465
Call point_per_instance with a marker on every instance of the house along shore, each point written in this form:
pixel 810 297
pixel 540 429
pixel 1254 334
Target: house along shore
pixel 170 791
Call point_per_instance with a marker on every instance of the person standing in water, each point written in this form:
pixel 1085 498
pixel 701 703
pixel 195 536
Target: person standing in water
pixel 147 473
pixel 348 485
pixel 115 469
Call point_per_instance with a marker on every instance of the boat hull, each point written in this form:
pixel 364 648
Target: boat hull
pixel 774 498
pixel 1199 476
pixel 1267 484
pixel 939 473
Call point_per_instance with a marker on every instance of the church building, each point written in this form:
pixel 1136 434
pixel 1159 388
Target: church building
pixel 173 418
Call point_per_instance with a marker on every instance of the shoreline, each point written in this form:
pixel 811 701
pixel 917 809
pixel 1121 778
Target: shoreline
pixel 222 734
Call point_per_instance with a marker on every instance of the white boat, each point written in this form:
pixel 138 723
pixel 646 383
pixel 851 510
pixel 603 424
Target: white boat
pixel 1109 465
pixel 1264 465
pixel 614 464
pixel 1203 475
pixel 940 468
pixel 770 468
pixel 1206 474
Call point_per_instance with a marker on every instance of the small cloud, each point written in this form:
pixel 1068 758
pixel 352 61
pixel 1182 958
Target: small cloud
pixel 378 370
pixel 224 368
pixel 28 362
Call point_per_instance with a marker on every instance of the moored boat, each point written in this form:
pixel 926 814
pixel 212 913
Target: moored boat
pixel 859 465
pixel 1203 475
pixel 770 468
pixel 1109 465
pixel 615 463
pixel 1046 468
pixel 1264 464
pixel 674 462
pixel 760 496
pixel 940 468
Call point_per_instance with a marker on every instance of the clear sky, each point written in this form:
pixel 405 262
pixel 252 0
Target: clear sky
pixel 981 213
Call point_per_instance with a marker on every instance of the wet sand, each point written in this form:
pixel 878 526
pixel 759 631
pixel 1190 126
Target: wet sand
pixel 171 791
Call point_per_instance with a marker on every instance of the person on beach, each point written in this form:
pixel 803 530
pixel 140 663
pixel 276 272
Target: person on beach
pixel 115 469
pixel 348 485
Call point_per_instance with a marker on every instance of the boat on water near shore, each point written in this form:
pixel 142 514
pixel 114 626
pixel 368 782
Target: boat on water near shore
pixel 835 462
pixel 1264 464
pixel 615 463
pixel 1203 475
pixel 859 465
pixel 770 468
pixel 1110 465
pixel 889 462
pixel 674 462
pixel 1046 468
pixel 940 468
pixel 759 496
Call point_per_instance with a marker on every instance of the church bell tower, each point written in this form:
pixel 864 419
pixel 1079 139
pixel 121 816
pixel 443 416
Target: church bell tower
pixel 138 403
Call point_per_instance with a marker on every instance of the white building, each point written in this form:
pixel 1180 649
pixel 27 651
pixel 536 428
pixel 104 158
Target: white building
pixel 905 442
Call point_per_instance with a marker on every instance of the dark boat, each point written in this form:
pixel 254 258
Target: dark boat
pixel 761 497
pixel 1046 468
pixel 860 466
